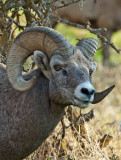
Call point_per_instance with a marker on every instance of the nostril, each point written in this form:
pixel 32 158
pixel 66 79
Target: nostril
pixel 92 92
pixel 86 91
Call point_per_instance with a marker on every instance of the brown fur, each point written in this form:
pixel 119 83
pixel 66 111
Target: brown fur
pixel 104 13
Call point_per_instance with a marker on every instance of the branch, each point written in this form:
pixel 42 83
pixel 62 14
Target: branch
pixel 7 42
pixel 68 4
pixel 16 23
pixel 35 8
pixel 86 117
pixel 97 32
pixel 5 8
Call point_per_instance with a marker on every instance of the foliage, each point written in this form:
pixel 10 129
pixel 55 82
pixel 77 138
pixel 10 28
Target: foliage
pixel 16 15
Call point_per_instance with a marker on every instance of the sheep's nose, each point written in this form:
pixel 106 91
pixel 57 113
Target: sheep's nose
pixel 87 91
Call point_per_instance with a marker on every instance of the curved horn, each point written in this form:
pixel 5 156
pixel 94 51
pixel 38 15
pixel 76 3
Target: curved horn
pixel 99 96
pixel 88 46
pixel 44 39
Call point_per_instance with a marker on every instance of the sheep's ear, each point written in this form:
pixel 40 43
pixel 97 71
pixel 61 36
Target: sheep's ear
pixel 94 66
pixel 42 62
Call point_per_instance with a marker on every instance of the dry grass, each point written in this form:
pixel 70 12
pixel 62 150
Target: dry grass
pixel 87 145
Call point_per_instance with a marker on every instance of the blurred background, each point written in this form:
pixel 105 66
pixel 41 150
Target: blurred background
pixel 99 137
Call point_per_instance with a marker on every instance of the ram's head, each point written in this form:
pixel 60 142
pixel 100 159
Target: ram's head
pixel 68 68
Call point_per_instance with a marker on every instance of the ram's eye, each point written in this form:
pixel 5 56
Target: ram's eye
pixel 57 67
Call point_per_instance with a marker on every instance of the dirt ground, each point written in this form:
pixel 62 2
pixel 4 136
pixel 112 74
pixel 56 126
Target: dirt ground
pixel 97 139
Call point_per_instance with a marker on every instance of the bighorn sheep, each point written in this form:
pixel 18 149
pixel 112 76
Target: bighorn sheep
pixel 32 105
pixel 100 14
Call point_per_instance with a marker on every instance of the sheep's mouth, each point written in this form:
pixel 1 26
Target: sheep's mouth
pixel 84 104
pixel 81 103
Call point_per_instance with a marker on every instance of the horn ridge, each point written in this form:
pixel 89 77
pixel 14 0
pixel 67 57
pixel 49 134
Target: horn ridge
pixel 91 43
pixel 88 47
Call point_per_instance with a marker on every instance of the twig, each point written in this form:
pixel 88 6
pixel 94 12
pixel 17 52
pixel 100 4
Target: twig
pixel 97 32
pixel 2 59
pixel 117 50
pixel 7 42
pixel 9 8
pixel 16 23
pixel 36 9
pixel 68 4
pixel 63 129
pixel 86 117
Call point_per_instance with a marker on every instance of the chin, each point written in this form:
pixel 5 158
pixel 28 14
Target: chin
pixel 83 105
